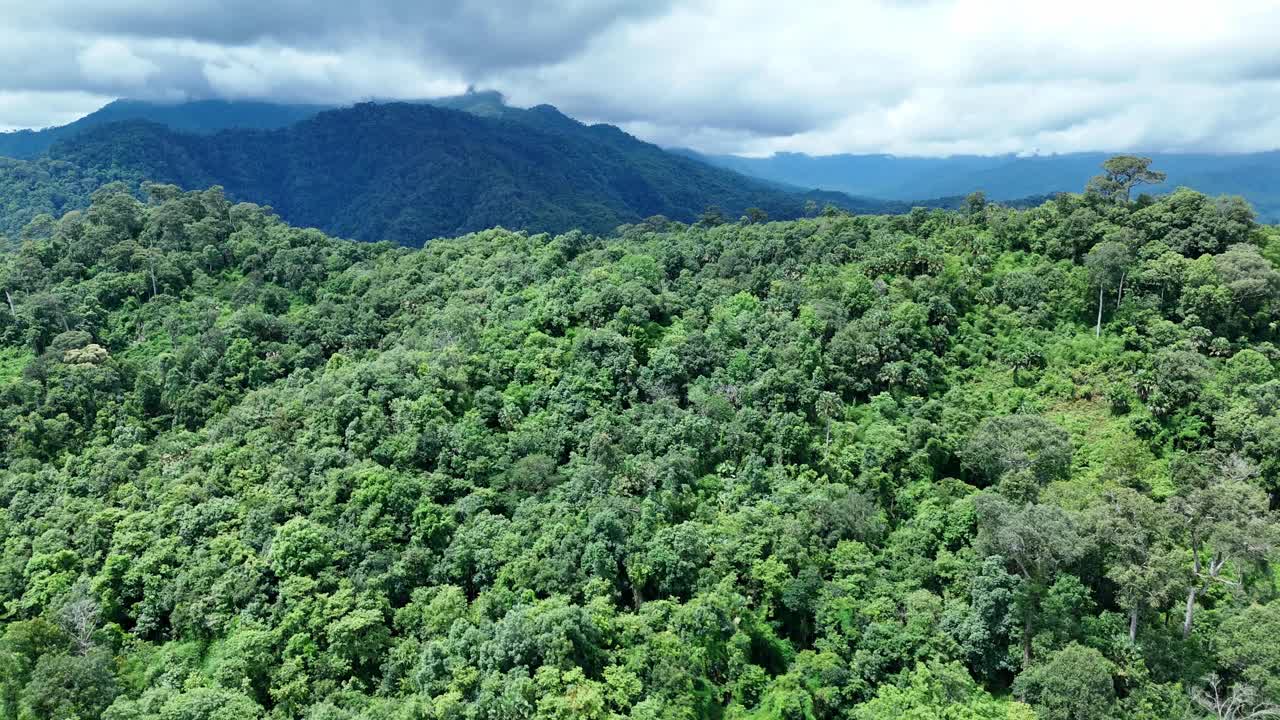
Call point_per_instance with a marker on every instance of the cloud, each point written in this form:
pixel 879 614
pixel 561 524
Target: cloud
pixel 469 36
pixel 940 77
pixel 111 62
pixel 750 76
pixel 23 109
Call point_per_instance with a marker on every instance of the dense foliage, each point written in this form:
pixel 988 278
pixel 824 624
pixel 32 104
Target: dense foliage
pixel 32 188
pixel 980 464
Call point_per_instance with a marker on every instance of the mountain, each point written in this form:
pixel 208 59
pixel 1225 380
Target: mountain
pixel 410 172
pixel 880 174
pixel 455 164
pixel 197 116
pixel 876 183
pixel 1254 176
pixel 208 116
pixel 845 467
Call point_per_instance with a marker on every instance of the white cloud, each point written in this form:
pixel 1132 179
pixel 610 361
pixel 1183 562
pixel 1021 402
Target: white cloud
pixel 752 76
pixel 938 77
pixel 111 62
pixel 26 109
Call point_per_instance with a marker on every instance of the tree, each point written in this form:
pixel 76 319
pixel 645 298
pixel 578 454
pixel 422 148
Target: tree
pixel 1022 354
pixel 828 408
pixel 302 547
pixel 987 626
pixel 1037 540
pixel 80 617
pixel 1108 264
pixel 69 686
pixel 1007 446
pixel 7 283
pixel 1251 278
pixel 1074 684
pixel 932 692
pixel 22 645
pixel 1249 651
pixel 975 204
pixel 1222 519
pixel 1121 174
pixel 1224 701
pixel 1131 530
pixel 711 217
pixel 210 704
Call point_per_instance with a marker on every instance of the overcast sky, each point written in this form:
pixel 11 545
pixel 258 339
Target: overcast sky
pixel 745 76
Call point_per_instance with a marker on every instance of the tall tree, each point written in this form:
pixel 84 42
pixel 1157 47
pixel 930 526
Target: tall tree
pixel 1121 174
pixel 1108 264
pixel 1222 519
pixel 1038 541
pixel 1132 531
pixel 1227 701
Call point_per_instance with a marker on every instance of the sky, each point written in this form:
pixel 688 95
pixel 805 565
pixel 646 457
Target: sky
pixel 908 77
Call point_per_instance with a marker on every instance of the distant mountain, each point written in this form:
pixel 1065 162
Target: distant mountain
pixel 410 172
pixel 200 116
pixel 210 116
pixel 877 183
pixel 1255 176
pixel 407 172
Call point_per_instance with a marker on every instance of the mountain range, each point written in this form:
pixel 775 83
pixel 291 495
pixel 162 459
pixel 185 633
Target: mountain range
pixel 1254 176
pixel 196 116
pixel 413 171
pixel 406 172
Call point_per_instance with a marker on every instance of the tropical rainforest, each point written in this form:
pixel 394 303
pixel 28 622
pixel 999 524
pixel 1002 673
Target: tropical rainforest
pixel 990 463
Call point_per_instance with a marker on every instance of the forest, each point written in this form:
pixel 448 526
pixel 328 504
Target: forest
pixel 987 463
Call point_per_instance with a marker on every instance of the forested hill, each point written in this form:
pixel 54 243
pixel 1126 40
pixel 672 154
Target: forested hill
pixel 199 116
pixel 413 172
pixel 986 464
pixel 212 115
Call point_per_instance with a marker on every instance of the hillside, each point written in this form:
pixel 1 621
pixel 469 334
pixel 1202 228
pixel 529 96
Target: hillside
pixel 947 464
pixel 209 116
pixel 1254 176
pixel 198 116
pixel 413 172
pixel 31 188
